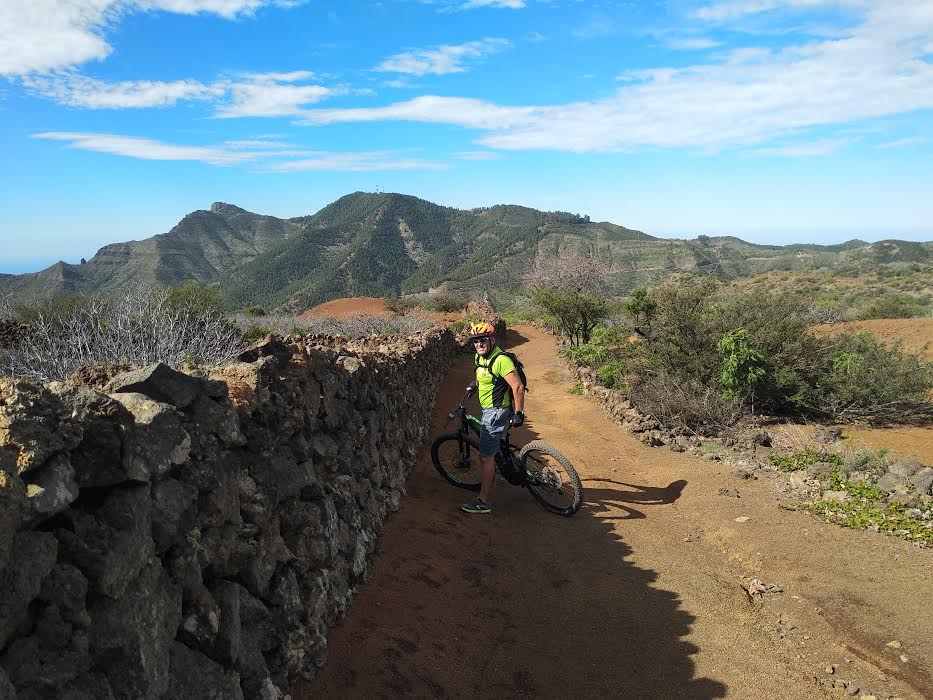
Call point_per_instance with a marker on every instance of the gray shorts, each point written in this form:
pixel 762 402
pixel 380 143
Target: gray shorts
pixel 495 421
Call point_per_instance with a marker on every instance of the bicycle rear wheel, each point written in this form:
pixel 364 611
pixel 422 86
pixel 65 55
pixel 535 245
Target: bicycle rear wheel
pixel 457 460
pixel 551 479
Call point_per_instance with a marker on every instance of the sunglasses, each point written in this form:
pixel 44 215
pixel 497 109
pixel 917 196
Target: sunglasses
pixel 480 340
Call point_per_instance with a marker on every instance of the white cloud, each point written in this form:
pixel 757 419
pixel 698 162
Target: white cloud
pixel 821 147
pixel 354 162
pixel 441 60
pixel 478 155
pixel 146 149
pixel 80 91
pixel 734 9
pixel 901 143
pixel 266 98
pixel 256 95
pixel 691 43
pixel 509 4
pixel 43 35
pixel 752 96
pixel 273 159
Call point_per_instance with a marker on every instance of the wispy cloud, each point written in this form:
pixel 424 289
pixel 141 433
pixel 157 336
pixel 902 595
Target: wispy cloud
pixel 43 35
pixel 268 156
pixel 253 95
pixel 820 147
pixel 355 162
pixel 696 43
pixel 734 9
pixel 478 155
pixel 509 4
pixel 80 91
pixel 441 60
pixel 146 149
pixel 746 98
pixel 266 96
pixel 901 143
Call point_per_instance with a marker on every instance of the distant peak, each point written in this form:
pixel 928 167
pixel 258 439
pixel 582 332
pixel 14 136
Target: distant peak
pixel 224 208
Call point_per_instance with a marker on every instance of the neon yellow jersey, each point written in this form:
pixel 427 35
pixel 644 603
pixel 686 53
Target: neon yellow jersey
pixel 493 390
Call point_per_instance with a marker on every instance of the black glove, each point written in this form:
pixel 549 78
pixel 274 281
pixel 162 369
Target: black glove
pixel 518 419
pixel 472 386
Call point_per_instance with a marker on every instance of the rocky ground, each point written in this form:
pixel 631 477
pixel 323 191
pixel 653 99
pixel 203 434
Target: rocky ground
pixel 682 576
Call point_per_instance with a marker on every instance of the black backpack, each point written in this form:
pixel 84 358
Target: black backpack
pixel 519 368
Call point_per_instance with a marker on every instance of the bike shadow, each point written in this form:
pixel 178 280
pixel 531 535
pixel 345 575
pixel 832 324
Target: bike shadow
pixel 522 603
pixel 607 500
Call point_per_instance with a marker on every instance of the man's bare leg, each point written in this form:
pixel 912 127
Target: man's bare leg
pixel 489 474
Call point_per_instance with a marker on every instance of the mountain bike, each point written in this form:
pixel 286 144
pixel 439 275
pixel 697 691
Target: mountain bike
pixel 537 466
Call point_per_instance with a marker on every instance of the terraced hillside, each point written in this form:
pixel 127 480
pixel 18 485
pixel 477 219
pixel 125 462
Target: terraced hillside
pixel 380 244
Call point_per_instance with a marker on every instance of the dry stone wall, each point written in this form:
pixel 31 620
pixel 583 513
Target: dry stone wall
pixel 173 535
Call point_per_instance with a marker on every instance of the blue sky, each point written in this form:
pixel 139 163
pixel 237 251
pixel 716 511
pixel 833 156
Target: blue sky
pixel 774 120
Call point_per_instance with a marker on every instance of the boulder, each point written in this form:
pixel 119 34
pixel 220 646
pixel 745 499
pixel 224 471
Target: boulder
pixel 174 512
pixel 112 545
pixel 821 470
pixel 890 481
pixel 158 382
pixel 51 489
pixel 131 636
pixel 12 501
pixel 34 425
pixel 160 440
pixel 193 676
pixel 102 457
pixel 227 642
pixel 31 559
pixel 906 467
pixel 6 688
pixel 66 589
pixel 922 480
pixel 836 496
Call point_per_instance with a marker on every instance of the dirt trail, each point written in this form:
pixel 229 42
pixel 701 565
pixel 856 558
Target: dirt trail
pixel 638 595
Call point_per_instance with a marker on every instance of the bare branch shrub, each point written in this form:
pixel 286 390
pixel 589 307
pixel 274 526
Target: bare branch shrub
pixel 7 309
pixel 358 326
pixel 687 405
pixel 573 273
pixel 139 328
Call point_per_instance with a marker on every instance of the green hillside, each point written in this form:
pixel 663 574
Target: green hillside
pixel 381 244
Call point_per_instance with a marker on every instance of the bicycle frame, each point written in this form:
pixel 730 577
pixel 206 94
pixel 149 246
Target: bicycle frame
pixel 507 450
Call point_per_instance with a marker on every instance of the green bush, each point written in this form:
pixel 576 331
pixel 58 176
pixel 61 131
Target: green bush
pixel 256 332
pixel 575 313
pixel 400 306
pixel 445 303
pixel 741 366
pixel 610 374
pixel 196 298
pixel 255 311
pixel 801 459
pixel 894 306
pixel 576 389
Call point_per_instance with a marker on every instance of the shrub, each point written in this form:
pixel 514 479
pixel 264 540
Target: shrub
pixel 445 303
pixel 575 314
pixel 801 459
pixel 256 332
pixel 687 405
pixel 192 297
pixel 610 374
pixel 576 389
pixel 400 306
pixel 139 328
pixel 741 366
pixel 255 311
pixel 893 306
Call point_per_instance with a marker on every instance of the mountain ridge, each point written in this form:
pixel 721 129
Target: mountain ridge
pixel 383 244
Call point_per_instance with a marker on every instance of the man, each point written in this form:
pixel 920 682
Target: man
pixel 495 375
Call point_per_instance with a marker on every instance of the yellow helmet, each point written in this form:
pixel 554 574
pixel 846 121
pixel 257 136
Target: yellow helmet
pixel 481 330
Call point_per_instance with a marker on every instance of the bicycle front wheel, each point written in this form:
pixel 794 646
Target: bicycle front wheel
pixel 457 460
pixel 551 478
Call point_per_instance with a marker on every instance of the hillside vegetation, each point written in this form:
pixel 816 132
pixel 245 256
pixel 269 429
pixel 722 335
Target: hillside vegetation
pixel 381 244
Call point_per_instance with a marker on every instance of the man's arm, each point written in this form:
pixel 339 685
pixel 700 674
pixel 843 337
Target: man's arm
pixel 518 390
